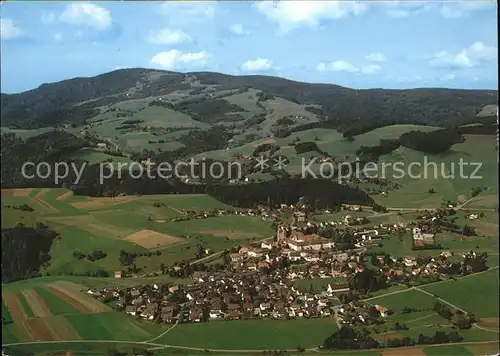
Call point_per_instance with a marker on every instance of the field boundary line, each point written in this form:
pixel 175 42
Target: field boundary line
pixel 486 329
pixel 164 346
pixel 441 299
pixel 163 333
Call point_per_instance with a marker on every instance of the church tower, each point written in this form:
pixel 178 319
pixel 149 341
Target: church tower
pixel 280 235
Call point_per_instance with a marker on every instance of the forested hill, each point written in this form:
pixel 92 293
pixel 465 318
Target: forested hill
pixel 76 100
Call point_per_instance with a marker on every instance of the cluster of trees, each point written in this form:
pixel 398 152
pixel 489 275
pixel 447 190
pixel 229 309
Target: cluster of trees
pixel 97 273
pixel 265 147
pixel 263 96
pixel 127 258
pixel 23 207
pixel 309 146
pixel 50 147
pixel 350 338
pixel 477 263
pixel 165 104
pixel 431 142
pixel 95 255
pixel 368 281
pixel 25 250
pixel 372 153
pixel 457 317
pixel 468 231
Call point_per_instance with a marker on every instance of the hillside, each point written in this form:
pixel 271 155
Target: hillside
pixel 80 99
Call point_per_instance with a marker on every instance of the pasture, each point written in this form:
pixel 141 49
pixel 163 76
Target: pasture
pixel 136 224
pixel 477 294
pixel 444 174
pixel 252 334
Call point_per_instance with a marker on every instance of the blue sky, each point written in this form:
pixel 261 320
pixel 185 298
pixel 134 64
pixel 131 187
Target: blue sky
pixel 365 44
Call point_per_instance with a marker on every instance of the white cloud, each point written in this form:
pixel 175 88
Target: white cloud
pixel 174 58
pixel 337 66
pixel 321 67
pixel 87 14
pixel 293 14
pixel 448 77
pixel 8 30
pixel 259 64
pixel 370 69
pixel 57 36
pixel 402 9
pixel 238 29
pixel 344 66
pixel 447 9
pixel 48 18
pixel 456 9
pixel 168 36
pixel 376 57
pixel 473 56
pixel 181 12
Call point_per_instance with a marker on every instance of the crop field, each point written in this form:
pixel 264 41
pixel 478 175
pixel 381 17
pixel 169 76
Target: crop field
pixel 63 311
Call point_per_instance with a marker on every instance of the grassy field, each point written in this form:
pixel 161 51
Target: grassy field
pixel 252 334
pixel 475 294
pixel 414 193
pixel 114 224
pixel 318 284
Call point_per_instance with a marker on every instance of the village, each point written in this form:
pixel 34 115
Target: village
pixel 274 279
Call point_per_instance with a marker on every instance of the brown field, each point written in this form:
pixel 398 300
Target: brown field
pixel 16 192
pixel 70 292
pixel 39 199
pixel 65 195
pixel 52 329
pixel 36 303
pixel 270 141
pixel 100 202
pixel 14 307
pixel 23 332
pixel 386 336
pixel 484 200
pixel 153 239
pixel 92 225
pixel 232 234
pixel 483 349
pixel 485 228
pixel 404 352
pixel 489 323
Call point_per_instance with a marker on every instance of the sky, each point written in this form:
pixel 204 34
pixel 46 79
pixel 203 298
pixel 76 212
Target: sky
pixel 357 44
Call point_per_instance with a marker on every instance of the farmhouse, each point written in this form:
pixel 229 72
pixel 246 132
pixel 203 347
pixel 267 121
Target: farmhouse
pixel 382 310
